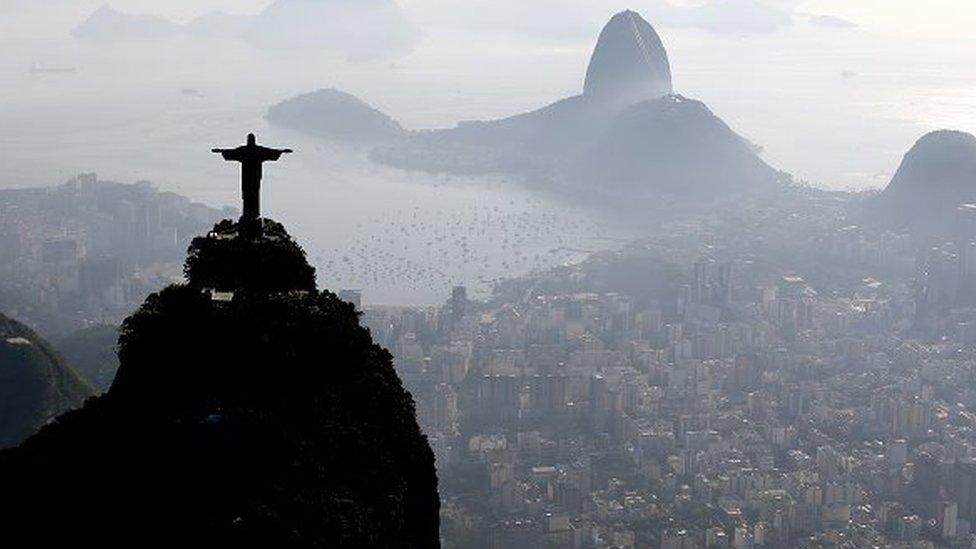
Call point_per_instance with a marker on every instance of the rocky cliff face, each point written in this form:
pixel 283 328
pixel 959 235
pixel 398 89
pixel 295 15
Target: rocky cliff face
pixel 35 384
pixel 937 175
pixel 629 63
pixel 249 410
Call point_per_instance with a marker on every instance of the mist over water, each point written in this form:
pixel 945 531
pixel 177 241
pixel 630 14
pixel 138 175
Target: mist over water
pixel 835 107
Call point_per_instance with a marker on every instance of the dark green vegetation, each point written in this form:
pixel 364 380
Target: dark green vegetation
pixel 35 384
pixel 91 352
pixel 270 264
pixel 262 418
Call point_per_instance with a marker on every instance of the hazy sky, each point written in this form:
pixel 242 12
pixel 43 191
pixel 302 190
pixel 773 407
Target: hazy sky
pixel 933 18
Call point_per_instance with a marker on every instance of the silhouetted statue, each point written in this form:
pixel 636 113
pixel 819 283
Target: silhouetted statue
pixel 251 156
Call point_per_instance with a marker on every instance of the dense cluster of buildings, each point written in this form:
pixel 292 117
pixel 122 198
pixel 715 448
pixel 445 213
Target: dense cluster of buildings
pixel 740 405
pixel 89 251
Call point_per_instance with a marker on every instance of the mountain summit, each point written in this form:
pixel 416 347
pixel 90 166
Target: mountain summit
pixel 629 63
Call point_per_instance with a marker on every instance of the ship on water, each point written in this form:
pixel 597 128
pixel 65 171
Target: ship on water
pixel 41 69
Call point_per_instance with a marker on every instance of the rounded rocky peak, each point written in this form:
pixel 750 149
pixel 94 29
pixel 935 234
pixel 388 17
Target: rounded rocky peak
pixel 234 259
pixel 335 114
pixel 943 160
pixel 944 145
pixel 937 175
pixel 629 63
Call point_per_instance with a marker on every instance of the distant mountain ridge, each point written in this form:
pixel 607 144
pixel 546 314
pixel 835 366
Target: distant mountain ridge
pixel 107 23
pixel 361 29
pixel 629 63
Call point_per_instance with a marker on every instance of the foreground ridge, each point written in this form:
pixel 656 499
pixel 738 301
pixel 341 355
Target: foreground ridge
pixel 250 409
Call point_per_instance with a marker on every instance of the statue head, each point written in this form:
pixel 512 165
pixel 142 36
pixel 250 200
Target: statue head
pixel 250 139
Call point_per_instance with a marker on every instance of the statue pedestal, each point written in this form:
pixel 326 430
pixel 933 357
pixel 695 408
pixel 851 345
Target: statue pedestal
pixel 251 228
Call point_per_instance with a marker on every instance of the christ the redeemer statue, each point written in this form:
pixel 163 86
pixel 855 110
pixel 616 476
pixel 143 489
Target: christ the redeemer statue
pixel 251 156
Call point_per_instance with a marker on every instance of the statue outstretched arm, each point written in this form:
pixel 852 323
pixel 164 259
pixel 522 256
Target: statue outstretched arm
pixel 273 154
pixel 228 154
